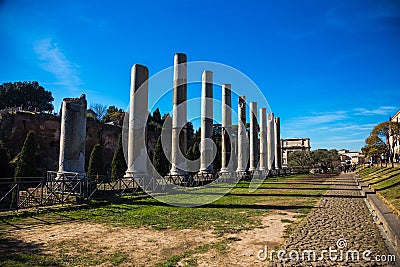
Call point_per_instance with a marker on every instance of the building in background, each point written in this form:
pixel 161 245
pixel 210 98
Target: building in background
pixel 293 144
pixel 351 157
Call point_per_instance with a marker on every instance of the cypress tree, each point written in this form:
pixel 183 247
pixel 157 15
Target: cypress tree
pixel 96 162
pixel 26 164
pixel 189 153
pixel 118 164
pixel 217 159
pixel 5 165
pixel 157 116
pixel 196 151
pixel 195 154
pixel 160 161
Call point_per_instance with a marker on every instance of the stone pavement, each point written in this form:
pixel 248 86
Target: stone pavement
pixel 341 223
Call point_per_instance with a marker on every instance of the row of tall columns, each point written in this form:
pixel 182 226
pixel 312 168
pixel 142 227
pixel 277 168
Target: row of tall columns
pixel 264 153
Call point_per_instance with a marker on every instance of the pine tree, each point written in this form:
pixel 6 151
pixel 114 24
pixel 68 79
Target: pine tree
pixel 160 161
pixel 157 116
pixel 96 162
pixel 26 164
pixel 118 164
pixel 189 153
pixel 196 151
pixel 5 166
pixel 193 154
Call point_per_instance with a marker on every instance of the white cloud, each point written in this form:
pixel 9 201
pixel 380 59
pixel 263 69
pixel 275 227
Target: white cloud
pixel 55 62
pixel 352 127
pixel 319 118
pixel 338 141
pixel 384 110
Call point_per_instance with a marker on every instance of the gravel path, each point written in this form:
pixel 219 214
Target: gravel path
pixel 341 215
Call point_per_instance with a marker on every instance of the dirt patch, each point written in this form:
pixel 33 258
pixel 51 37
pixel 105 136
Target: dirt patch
pixel 91 244
pixel 94 244
pixel 244 252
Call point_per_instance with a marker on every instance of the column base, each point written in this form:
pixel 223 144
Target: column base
pixel 225 170
pixel 206 171
pixel 177 172
pixel 135 174
pixel 241 172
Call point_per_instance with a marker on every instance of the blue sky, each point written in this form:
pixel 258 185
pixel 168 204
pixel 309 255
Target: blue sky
pixel 329 69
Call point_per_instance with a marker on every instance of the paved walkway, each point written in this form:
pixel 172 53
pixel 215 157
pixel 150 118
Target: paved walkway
pixel 341 222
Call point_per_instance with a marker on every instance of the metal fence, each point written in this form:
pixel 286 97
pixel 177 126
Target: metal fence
pixel 59 188
pixel 62 188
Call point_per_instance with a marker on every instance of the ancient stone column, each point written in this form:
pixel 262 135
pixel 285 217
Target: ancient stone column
pixel 138 114
pixel 242 150
pixel 179 138
pixel 271 142
pixel 206 143
pixel 253 137
pixel 227 139
pixel 263 140
pixel 73 135
pixel 277 136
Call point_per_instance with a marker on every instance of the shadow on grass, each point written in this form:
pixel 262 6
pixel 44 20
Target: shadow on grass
pixel 14 252
pixel 373 175
pixel 388 187
pixel 384 179
pixel 231 206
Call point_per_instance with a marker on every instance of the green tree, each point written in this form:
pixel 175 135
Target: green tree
pixel 374 147
pixel 160 161
pixel 193 153
pixel 300 159
pixel 26 94
pixel 196 151
pixel 5 166
pixel 217 138
pixel 164 117
pixel 26 164
pixel 387 133
pixel 118 163
pixel 157 116
pixel 190 134
pixel 197 135
pixel 334 159
pixel 325 159
pixel 320 158
pixel 96 162
pixel 114 114
pixel 189 153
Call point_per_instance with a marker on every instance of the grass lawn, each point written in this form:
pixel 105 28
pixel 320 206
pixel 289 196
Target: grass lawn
pixel 237 211
pixel 384 180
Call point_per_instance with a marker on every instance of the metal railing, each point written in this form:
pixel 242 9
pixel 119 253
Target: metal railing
pixel 68 187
